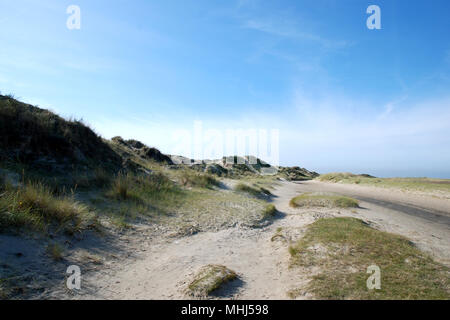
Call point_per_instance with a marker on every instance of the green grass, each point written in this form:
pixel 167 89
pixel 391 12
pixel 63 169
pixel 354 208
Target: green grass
pixel 209 279
pixel 418 184
pixel 155 186
pixel 269 211
pixel 120 188
pixel 34 206
pixel 323 200
pixel 254 190
pixel 349 246
pixel 191 178
pixel 140 196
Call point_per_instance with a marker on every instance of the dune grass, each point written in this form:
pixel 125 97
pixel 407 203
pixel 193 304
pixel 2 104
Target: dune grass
pixel 210 278
pixel 34 206
pixel 349 247
pixel 132 196
pixel 55 251
pixel 323 200
pixel 155 186
pixel 419 184
pixel 254 190
pixel 33 132
pixel 191 178
pixel 269 211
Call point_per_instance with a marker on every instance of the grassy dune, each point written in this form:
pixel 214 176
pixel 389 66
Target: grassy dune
pixel 344 248
pixel 35 207
pixel 418 184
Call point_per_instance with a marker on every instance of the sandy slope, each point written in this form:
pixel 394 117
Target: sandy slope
pixel 160 267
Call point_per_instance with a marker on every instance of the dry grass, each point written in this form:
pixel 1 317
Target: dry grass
pixel 194 179
pixel 343 248
pixel 323 200
pixel 120 186
pixel 34 206
pixel 253 190
pixel 55 251
pixel 415 184
pixel 210 278
pixel 142 187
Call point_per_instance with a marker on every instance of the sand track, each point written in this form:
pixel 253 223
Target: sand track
pixel 162 266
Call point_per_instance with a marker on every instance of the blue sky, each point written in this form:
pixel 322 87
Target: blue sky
pixel 343 97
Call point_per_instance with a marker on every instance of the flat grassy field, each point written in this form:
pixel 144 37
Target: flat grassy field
pixel 418 184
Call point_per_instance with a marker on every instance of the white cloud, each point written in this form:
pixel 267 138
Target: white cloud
pixel 292 31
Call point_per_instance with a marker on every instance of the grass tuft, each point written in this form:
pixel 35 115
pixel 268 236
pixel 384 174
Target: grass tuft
pixel 35 207
pixel 323 200
pixel 55 251
pixel 194 179
pixel 209 279
pixel 120 186
pixel 269 211
pixel 254 190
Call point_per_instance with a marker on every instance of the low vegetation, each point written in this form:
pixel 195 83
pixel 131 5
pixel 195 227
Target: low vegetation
pixel 212 210
pixel 323 200
pixel 34 206
pixel 55 251
pixel 33 135
pixel 344 248
pixel 269 211
pixel 210 278
pixel 191 178
pixel 154 186
pixel 58 178
pixel 415 184
pixel 254 190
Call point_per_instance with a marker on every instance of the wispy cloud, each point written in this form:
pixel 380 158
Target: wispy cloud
pixel 389 107
pixel 292 31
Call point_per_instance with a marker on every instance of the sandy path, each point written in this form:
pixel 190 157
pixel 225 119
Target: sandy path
pixel 164 265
